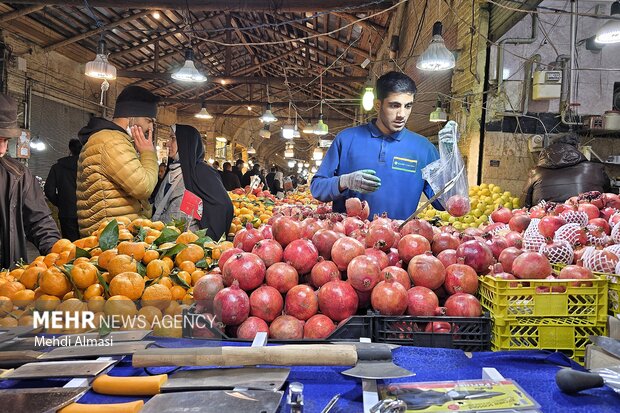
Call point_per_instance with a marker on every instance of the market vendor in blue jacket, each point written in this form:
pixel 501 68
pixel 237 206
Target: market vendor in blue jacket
pixel 380 162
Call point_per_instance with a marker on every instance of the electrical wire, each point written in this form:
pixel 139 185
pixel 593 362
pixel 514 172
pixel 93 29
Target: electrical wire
pixel 550 10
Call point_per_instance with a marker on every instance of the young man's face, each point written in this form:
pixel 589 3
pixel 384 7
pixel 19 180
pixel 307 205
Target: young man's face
pixel 172 147
pixel 394 111
pixel 146 124
pixel 4 146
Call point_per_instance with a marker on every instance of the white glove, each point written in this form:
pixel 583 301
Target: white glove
pixel 364 181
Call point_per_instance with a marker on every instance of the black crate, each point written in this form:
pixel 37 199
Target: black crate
pixel 349 330
pixel 466 333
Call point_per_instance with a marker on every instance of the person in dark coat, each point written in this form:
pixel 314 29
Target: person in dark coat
pixel 60 188
pixel 229 178
pixel 270 179
pixel 562 172
pixel 247 177
pixel 204 181
pixel 238 169
pixel 24 214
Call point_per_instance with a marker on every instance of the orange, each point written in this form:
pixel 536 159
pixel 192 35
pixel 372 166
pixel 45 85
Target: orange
pixel 168 262
pixel 119 305
pixel 188 266
pixel 6 305
pixel 86 242
pixel 128 284
pixel 8 322
pixel 136 250
pixel 38 264
pixel 149 256
pixel 153 232
pixel 106 276
pixel 149 314
pixel 68 296
pixel 186 238
pixel 96 304
pixel 105 257
pixel 25 320
pixel 54 282
pixel 51 258
pixel 172 309
pixel 185 276
pixel 9 288
pixel 193 253
pixel 125 235
pixel 150 239
pixel 84 275
pixel 167 245
pixel 65 257
pixel 166 281
pixel 157 295
pixel 30 277
pixel 158 225
pixel 123 221
pixel 157 268
pixel 120 264
pixel 94 290
pixel 46 302
pixel 72 305
pixel 196 275
pixel 178 292
pixel 188 299
pixel 61 245
pixel 216 253
pixel 135 224
pixel 80 260
pixel 16 273
pixel 95 252
pixel 23 298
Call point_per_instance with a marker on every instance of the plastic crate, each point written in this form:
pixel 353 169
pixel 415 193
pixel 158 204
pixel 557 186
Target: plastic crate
pixel 569 335
pixel 614 295
pixel 466 333
pixel 350 330
pixel 541 298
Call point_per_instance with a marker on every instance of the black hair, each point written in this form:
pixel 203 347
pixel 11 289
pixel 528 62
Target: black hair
pixel 239 162
pixel 75 146
pixel 226 165
pixel 216 163
pixel 394 82
pixel 163 164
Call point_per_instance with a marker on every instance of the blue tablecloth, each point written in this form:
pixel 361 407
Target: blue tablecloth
pixel 533 370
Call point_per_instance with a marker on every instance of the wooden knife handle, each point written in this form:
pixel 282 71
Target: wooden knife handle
pixel 129 386
pixel 286 355
pixel 130 407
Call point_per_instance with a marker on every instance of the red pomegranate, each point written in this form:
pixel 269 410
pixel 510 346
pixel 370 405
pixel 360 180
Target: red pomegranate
pixel 324 240
pixel 286 230
pixel 389 297
pixel 323 272
pixel 301 302
pixel 458 205
pixel 282 277
pixel 232 305
pixel 601 223
pixel 547 226
pixel 444 241
pixel 418 226
pixel 461 278
pixel 514 239
pixel 426 271
pixel 477 255
pixel 591 210
pixel 399 275
pixel 266 231
pixel 357 208
pixel 531 265
pixel 344 250
pixel 393 257
pixel 245 267
pixel 519 223
pixel 286 327
pixel 250 327
pixel 380 257
pixel 302 255
pixel 352 224
pixel 463 305
pixel 411 245
pixel 501 214
pixel 338 300
pixel 575 272
pixel 607 212
pixel 226 256
pixel 363 273
pixel 497 244
pixel 205 290
pixel 266 303
pixel 498 272
pixel 318 326
pixel 560 208
pixel 247 238
pixel 268 250
pixel 507 257
pixel 422 302
pixel 438 327
pixel 381 237
pixel 310 226
pixel 447 257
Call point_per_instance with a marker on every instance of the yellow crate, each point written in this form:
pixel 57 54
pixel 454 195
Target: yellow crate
pixel 566 334
pixel 543 298
pixel 614 295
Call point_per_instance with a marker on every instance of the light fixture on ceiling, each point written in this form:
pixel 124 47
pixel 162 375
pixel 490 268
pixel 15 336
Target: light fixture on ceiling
pixel 313 170
pixel 289 151
pixel 288 131
pixel 306 164
pixel 439 114
pixel 100 68
pixel 156 15
pixel 189 73
pixel 251 150
pixel 318 162
pixel 38 144
pixel 368 99
pixel 265 132
pixel 267 116
pixel 436 57
pixel 308 128
pixel 221 139
pixel 317 154
pixel 291 163
pixel 203 114
pixel 610 31
pixel 321 128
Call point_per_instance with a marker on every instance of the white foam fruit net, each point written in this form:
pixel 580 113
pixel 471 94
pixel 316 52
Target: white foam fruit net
pixel 498 229
pixel 575 217
pixel 568 232
pixel 612 218
pixel 532 238
pixel 599 241
pixel 560 252
pixel 615 248
pixel 599 260
pixel 615 234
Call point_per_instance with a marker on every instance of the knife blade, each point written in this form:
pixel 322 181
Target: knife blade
pixel 46 400
pixel 608 344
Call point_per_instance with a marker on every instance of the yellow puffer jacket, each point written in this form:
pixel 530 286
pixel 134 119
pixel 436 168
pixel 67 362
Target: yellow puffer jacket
pixel 113 180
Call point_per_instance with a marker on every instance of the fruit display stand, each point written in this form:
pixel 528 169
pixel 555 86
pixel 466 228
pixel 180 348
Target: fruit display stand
pixel 614 295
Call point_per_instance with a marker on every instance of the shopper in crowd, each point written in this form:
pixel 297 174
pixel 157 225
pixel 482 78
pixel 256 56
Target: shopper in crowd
pixel 247 177
pixel 60 187
pixel 380 162
pixel 117 169
pixel 270 179
pixel 162 170
pixel 229 178
pixel 24 214
pixel 278 185
pixel 189 171
pixel 294 180
pixel 216 165
pixel 562 172
pixel 238 169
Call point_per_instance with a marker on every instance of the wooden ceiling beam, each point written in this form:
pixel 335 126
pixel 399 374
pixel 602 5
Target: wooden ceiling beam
pixel 366 24
pixel 7 17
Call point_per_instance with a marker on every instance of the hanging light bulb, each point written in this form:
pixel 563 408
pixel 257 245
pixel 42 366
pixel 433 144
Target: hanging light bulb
pixel 268 117
pixel 221 139
pixel 265 132
pixel 251 150
pixel 368 100
pixel 288 131
pixel 317 154
pixel 436 57
pixel 100 68
pixel 318 162
pixel 438 115
pixel 37 144
pixel 610 31
pixel 289 152
pixel 313 170
pixel 211 160
pixel 203 114
pixel 189 73
pixel 321 127
pixel 306 164
pixel 291 163
pixel 296 133
pixel 308 128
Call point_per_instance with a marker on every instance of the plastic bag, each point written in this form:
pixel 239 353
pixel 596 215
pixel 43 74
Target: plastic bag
pixel 449 166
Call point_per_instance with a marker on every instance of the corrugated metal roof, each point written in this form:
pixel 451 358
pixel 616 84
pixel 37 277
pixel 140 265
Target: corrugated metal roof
pixel 503 19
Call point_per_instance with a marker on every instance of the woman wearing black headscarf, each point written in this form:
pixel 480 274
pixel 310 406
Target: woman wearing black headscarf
pixel 204 181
